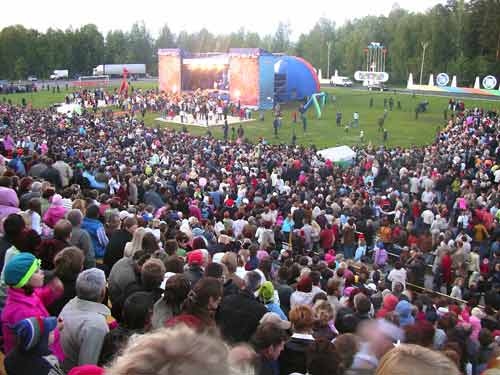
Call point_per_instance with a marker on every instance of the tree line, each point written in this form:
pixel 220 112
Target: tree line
pixel 463 39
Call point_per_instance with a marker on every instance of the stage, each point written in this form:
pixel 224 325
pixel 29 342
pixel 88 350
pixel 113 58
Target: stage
pixel 190 121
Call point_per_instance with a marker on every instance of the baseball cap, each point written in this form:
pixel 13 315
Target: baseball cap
pixel 195 257
pixel 274 318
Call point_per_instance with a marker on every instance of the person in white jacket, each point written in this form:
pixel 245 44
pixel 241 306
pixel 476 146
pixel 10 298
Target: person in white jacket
pixel 397 275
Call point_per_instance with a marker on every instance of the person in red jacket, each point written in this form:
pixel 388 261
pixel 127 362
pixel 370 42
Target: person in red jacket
pixel 327 237
pixel 446 271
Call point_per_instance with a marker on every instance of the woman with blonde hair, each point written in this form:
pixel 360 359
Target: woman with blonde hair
pixel 136 244
pixel 409 359
pixel 324 325
pixel 230 260
pixel 188 352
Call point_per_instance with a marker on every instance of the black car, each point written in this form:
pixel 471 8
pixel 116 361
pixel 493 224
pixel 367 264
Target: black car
pixel 377 86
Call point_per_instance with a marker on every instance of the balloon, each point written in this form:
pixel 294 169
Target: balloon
pixel 203 182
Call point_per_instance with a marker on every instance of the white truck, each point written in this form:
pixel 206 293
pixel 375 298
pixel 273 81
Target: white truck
pixel 59 74
pixel 134 70
pixel 340 81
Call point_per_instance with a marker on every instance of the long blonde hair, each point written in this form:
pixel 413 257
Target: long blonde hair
pixel 409 359
pixel 173 351
pixel 136 243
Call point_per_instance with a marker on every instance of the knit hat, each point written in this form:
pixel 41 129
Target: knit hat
pixel 195 257
pixel 31 331
pixel 20 269
pixel 266 292
pixel 57 200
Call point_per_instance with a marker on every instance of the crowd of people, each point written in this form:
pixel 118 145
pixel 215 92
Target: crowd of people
pixel 134 250
pixel 201 107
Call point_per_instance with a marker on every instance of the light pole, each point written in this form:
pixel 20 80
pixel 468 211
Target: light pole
pixel 424 46
pixel 329 44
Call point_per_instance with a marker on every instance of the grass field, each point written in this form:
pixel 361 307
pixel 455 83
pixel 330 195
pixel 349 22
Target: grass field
pixel 402 127
pixel 43 99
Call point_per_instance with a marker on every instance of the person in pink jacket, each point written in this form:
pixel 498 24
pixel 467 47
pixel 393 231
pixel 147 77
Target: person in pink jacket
pixel 27 298
pixel 55 212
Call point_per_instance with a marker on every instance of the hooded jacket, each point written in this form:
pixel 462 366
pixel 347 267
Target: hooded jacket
pixel 20 306
pixel 403 309
pixel 389 304
pixel 9 203
pixel 92 226
pixel 53 215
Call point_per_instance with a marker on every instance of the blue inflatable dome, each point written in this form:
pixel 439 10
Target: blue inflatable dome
pixel 300 77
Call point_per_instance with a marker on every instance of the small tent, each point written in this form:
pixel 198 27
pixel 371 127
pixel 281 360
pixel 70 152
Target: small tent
pixel 68 109
pixel 343 155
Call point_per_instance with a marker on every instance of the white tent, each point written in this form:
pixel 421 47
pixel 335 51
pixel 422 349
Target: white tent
pixel 69 108
pixel 339 154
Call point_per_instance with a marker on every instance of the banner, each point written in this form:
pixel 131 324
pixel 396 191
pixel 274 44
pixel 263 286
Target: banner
pixel 371 76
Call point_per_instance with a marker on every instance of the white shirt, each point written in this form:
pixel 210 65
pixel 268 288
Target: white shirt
pixel 427 197
pixel 497 176
pixel 301 298
pixel 397 276
pixel 36 223
pixel 238 226
pixel 414 185
pixel 427 217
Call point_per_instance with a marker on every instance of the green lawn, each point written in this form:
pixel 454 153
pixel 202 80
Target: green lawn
pixel 403 129
pixel 44 98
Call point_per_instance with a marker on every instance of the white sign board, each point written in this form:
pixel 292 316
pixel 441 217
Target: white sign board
pixel 489 82
pixel 442 79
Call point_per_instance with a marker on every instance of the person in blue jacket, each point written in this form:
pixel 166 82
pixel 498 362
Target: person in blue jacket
pixel 266 295
pixel 96 230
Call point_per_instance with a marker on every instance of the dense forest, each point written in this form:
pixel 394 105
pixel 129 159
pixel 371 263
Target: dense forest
pixel 463 39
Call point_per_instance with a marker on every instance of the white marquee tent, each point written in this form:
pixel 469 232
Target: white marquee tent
pixel 340 154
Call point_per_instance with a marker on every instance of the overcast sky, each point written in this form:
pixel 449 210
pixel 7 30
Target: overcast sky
pixel 220 16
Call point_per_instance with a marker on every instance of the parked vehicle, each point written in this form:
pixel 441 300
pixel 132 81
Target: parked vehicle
pixel 117 70
pixel 340 81
pixel 377 86
pixel 59 74
pixel 32 79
